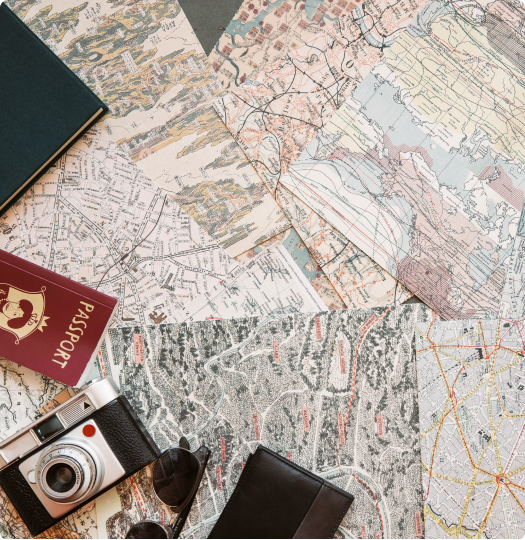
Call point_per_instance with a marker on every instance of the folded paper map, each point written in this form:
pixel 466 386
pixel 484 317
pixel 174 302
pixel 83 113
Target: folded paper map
pixel 275 115
pixel 264 31
pixel 145 62
pixel 359 281
pixel 269 284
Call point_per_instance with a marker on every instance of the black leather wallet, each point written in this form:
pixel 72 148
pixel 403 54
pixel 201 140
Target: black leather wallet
pixel 275 498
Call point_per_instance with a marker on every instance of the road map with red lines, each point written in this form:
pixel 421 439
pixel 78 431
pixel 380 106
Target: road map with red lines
pixel 275 115
pixel 335 392
pixel 471 380
pixel 423 167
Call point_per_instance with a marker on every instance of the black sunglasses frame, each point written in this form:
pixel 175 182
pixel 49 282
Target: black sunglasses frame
pixel 202 455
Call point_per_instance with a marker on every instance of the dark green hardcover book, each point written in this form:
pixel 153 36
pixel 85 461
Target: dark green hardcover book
pixel 44 107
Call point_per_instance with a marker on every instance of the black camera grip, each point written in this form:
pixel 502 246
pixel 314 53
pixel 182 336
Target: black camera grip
pixel 126 436
pixel 25 500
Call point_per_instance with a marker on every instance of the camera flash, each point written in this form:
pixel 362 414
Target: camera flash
pixel 88 430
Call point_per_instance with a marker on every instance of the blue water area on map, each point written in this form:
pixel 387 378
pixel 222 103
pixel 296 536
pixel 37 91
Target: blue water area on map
pixel 420 25
pixel 300 254
pixel 381 104
pixel 237 28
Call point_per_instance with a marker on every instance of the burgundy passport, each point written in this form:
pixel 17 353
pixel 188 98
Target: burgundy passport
pixel 49 323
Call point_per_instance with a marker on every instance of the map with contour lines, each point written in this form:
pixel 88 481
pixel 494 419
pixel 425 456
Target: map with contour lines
pixel 471 378
pixel 264 31
pixel 145 62
pixel 335 392
pixel 276 115
pixel 425 173
pixel 359 281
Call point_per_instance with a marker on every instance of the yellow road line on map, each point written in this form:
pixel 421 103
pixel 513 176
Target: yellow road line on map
pixel 449 530
pixel 472 391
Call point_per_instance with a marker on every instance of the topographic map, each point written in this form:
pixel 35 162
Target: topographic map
pixel 471 378
pixel 359 281
pixel 276 115
pixel 145 62
pixel 264 31
pixel 423 168
pixel 335 392
pixel 270 284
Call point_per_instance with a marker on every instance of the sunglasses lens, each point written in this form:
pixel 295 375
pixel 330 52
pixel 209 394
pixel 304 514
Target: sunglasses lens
pixel 174 475
pixel 148 529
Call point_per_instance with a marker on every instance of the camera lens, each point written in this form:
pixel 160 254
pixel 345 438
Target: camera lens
pixel 68 473
pixel 61 477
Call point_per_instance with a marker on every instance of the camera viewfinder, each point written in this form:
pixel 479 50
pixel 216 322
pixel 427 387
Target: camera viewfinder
pixel 47 429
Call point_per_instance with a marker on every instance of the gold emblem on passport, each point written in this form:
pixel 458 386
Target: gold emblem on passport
pixel 21 312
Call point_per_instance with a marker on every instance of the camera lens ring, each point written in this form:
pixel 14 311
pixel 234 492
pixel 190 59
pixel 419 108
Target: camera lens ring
pixel 74 458
pixel 49 474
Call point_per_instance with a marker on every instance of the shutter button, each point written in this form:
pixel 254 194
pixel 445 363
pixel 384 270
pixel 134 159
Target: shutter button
pixel 89 430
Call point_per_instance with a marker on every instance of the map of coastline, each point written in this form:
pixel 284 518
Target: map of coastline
pixel 432 193
pixel 359 281
pixel 275 115
pixel 309 267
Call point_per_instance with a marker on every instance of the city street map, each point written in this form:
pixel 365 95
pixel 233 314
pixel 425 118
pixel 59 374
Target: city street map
pixel 275 115
pixel 145 62
pixel 423 167
pixel 309 267
pixel 269 284
pixel 335 392
pixel 471 379
pixel 264 31
pixel 95 218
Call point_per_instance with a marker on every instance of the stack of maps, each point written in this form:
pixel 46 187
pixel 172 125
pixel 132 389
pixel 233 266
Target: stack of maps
pixel 262 215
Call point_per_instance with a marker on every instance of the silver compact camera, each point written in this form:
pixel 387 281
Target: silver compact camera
pixel 72 454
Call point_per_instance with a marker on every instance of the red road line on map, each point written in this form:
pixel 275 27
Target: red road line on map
pixel 489 509
pixel 458 426
pixel 507 482
pixel 375 500
pixel 355 368
pixel 515 498
pixel 139 496
pixel 434 448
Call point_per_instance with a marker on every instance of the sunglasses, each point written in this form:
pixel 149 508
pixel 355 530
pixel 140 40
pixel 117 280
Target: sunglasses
pixel 176 477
